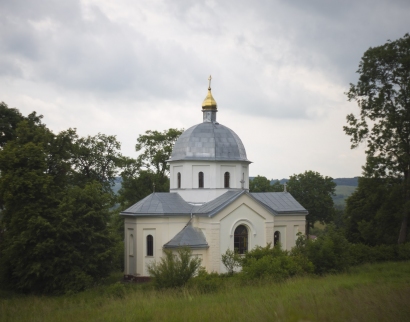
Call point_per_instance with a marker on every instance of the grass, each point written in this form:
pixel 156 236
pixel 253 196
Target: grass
pixel 378 292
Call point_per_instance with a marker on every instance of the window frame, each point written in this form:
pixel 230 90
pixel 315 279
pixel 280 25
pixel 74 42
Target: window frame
pixel 241 239
pixel 179 180
pixel 150 245
pixel 227 179
pixel 200 179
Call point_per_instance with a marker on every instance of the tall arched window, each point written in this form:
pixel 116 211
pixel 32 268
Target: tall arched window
pixel 226 179
pixel 200 179
pixel 179 180
pixel 240 242
pixel 150 245
pixel 276 237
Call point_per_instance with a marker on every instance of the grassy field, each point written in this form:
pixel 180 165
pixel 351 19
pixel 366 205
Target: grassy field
pixel 378 292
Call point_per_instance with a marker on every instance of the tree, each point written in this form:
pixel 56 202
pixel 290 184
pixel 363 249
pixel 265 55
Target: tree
pixel 56 236
pixel 150 168
pixel 157 149
pixel 97 158
pixel 383 96
pixel 373 212
pixel 314 192
pixel 9 119
pixel 262 184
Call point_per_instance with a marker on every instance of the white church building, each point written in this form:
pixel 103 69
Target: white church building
pixel 209 207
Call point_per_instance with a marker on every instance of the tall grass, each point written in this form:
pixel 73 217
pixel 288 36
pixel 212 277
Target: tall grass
pixel 378 292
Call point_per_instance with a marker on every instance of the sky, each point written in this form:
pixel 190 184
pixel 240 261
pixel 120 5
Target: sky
pixel 279 70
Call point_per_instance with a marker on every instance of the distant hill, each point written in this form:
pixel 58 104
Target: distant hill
pixel 353 182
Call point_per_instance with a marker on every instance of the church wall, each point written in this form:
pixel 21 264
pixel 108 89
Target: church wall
pixel 244 211
pixel 289 226
pixel 213 171
pixel 161 228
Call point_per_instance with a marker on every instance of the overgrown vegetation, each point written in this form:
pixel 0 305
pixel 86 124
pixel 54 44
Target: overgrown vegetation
pixel 174 269
pixel 377 292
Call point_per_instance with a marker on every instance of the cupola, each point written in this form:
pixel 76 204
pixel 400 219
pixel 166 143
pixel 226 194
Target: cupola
pixel 209 106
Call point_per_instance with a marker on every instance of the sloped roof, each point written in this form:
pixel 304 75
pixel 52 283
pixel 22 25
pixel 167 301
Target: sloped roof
pixel 218 203
pixel 160 203
pixel 189 236
pixel 164 203
pixel 279 202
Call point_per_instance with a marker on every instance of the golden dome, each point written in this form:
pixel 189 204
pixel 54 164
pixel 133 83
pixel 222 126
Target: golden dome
pixel 209 102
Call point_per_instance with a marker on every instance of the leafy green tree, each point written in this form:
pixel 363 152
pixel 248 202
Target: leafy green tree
pixel 382 94
pixel 97 158
pixel 314 192
pixel 156 149
pixel 56 236
pixel 9 119
pixel 231 260
pixel 262 184
pixel 373 212
pixel 150 170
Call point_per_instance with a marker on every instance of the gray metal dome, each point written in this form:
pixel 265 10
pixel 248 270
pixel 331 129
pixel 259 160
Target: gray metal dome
pixel 209 141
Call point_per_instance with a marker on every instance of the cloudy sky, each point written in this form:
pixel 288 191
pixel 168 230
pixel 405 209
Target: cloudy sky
pixel 279 68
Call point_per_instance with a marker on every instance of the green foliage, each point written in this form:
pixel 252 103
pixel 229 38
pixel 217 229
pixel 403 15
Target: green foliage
pixel 262 184
pixel 174 269
pixel 314 192
pixel 115 291
pixel 205 282
pixel 374 212
pixel 273 262
pixel 231 260
pixel 149 169
pixel 360 253
pixel 382 95
pixel 55 233
pixel 329 253
pixel 157 149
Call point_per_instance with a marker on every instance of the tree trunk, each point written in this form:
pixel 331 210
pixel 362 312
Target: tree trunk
pixel 404 223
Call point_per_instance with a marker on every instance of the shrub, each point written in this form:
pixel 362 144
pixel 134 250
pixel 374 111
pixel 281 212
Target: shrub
pixel 329 253
pixel 205 282
pixel 275 263
pixel 231 260
pixel 174 269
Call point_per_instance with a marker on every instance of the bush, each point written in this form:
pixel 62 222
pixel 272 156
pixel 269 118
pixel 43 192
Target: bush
pixel 274 262
pixel 174 269
pixel 231 260
pixel 329 253
pixel 205 282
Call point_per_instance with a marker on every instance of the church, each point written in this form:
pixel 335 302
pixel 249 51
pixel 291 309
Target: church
pixel 209 207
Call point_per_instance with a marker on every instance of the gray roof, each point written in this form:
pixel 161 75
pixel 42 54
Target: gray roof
pixel 164 203
pixel 214 206
pixel 160 203
pixel 209 141
pixel 189 236
pixel 279 202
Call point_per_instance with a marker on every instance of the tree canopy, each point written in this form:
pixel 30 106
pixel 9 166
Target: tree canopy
pixel 55 235
pixel 150 170
pixel 383 96
pixel 314 192
pixel 262 184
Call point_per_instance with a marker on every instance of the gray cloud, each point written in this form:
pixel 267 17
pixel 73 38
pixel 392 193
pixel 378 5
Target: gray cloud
pixel 250 47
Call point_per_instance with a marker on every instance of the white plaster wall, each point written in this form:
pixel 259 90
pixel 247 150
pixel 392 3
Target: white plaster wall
pixel 213 178
pixel 289 226
pixel 148 259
